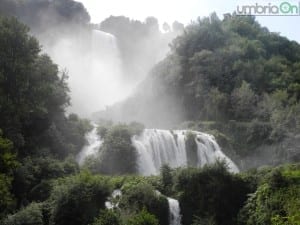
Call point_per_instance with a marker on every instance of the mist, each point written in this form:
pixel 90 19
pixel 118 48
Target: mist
pixel 105 62
pixel 101 73
pixel 93 63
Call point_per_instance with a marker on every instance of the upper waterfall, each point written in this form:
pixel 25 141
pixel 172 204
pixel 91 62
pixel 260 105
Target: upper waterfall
pixel 93 62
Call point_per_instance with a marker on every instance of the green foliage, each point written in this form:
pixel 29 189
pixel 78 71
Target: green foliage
pixel 57 12
pixel 33 179
pixel 71 133
pixel 226 70
pixel 107 217
pixel 7 201
pixel 136 128
pixel 210 192
pixel 117 154
pixel 77 199
pixel 35 132
pixel 166 179
pixel 191 149
pixel 276 201
pixel 32 214
pixel 204 221
pixel 137 196
pixel 33 96
pixel 143 218
pixel 243 99
pixel 215 103
pixel 8 164
pixel 7 157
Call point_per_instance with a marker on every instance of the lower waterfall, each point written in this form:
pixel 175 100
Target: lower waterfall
pixel 158 147
pixel 174 212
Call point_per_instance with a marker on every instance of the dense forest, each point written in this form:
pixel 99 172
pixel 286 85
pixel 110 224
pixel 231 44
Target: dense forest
pixel 231 78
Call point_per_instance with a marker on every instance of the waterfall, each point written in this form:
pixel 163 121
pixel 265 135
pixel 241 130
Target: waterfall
pixel 92 147
pixel 113 200
pixel 94 66
pixel 174 212
pixel 158 147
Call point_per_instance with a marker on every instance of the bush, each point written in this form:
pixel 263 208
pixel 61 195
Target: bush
pixel 77 200
pixel 32 180
pixel 138 196
pixel 107 217
pixel 143 218
pixel 32 215
pixel 276 200
pixel 166 179
pixel 117 154
pixel 211 191
pixel 136 128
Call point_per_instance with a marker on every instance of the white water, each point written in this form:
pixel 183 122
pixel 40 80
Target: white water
pixel 91 148
pixel 92 60
pixel 174 212
pixel 159 147
pixel 113 201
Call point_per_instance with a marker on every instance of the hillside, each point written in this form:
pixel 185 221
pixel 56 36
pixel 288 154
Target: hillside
pixel 231 77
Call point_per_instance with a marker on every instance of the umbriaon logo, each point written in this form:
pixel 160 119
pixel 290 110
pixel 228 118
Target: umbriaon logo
pixel 281 9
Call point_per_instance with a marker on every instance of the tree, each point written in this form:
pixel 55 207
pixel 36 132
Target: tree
pixel 107 217
pixel 166 179
pixel 143 218
pixel 191 149
pixel 32 214
pixel 208 193
pixel 8 164
pixel 31 91
pixel 216 104
pixel 243 101
pixel 78 199
pixel 142 195
pixel 118 155
pixel 166 27
pixel 152 24
pixel 177 27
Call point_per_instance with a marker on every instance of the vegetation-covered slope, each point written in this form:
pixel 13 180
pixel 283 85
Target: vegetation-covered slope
pixel 36 136
pixel 233 73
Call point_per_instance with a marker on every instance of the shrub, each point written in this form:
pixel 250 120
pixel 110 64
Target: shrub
pixel 211 191
pixel 77 200
pixel 143 218
pixel 117 154
pixel 142 195
pixel 107 217
pixel 32 214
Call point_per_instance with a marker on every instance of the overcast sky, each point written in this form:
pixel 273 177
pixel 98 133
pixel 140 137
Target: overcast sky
pixel 186 10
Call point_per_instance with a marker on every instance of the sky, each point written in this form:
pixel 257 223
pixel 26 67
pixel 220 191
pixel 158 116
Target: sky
pixel 186 11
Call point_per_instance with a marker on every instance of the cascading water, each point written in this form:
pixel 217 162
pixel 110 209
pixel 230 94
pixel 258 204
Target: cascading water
pixel 92 147
pixel 113 200
pixel 174 212
pixel 159 147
